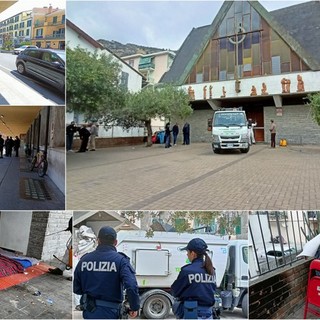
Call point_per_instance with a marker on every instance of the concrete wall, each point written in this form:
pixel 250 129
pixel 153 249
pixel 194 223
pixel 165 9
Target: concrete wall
pixel 15 229
pixel 295 125
pixel 280 294
pixel 57 167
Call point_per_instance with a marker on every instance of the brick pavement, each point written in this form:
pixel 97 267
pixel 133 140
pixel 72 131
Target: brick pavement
pixel 194 178
pixel 54 302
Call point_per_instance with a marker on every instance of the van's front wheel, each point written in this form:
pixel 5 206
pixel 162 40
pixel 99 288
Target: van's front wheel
pixel 156 307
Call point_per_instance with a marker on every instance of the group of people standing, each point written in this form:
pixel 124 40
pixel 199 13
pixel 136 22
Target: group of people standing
pixel 175 132
pixel 9 144
pixel 87 134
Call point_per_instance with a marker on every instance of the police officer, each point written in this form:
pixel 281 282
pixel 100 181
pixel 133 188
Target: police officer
pixel 101 276
pixel 195 283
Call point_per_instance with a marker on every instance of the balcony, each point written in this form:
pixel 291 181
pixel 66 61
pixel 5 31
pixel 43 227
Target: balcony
pixel 146 63
pixel 38 24
pixel 54 36
pixel 57 23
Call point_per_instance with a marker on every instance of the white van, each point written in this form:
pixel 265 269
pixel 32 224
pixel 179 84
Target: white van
pixel 230 130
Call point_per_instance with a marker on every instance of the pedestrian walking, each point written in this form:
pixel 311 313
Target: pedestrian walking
pixel 175 132
pixel 272 130
pixel 186 133
pixel 70 131
pixel 100 278
pixel 84 137
pixel 195 286
pixel 93 135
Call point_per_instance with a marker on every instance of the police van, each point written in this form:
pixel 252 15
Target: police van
pixel 230 130
pixel 158 260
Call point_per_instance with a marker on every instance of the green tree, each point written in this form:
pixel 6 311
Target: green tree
pixel 141 107
pixel 92 83
pixel 315 106
pixel 226 222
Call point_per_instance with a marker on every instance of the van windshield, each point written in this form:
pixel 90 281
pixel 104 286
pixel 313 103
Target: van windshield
pixel 229 119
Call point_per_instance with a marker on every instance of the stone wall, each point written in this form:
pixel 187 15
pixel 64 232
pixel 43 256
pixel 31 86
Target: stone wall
pixel 37 233
pixel 111 142
pixel 280 294
pixel 295 125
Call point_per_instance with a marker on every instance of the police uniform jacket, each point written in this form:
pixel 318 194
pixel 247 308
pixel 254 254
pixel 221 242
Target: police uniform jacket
pixel 194 283
pixel 104 273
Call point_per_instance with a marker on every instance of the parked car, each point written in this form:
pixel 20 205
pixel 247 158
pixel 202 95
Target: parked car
pixel 45 64
pixel 20 49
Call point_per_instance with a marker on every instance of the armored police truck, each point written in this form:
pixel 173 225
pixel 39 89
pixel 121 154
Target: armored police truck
pixel 158 260
pixel 230 130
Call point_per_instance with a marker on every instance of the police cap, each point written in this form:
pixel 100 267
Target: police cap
pixel 197 245
pixel 107 233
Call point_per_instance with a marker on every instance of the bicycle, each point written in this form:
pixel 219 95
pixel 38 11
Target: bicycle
pixel 40 162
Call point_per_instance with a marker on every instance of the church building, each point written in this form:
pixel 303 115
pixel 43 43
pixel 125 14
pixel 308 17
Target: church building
pixel 265 62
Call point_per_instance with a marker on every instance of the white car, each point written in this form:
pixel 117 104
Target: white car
pixel 20 49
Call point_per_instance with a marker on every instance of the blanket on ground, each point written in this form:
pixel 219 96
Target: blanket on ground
pixel 25 261
pixel 9 266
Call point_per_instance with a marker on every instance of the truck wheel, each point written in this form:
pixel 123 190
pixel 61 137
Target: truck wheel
pixel 217 151
pixel 246 150
pixel 156 307
pixel 244 306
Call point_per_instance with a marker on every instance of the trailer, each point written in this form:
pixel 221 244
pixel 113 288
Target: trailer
pixel 157 261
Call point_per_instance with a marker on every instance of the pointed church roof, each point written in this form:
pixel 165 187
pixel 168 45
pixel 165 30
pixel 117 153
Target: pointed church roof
pixel 296 25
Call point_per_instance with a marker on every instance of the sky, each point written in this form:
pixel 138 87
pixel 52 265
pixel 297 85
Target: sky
pixel 161 24
pixel 23 5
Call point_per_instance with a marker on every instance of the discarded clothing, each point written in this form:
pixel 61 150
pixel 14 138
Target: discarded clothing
pixel 9 266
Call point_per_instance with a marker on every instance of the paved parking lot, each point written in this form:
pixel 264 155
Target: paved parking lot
pixel 194 178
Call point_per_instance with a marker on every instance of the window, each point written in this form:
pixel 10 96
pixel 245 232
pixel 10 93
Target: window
pixel 39 33
pixel 275 65
pixel 29 22
pixel 55 20
pixel 124 80
pixel 63 19
pixel 21 25
pixel 199 78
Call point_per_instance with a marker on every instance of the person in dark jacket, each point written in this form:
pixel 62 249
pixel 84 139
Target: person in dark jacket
pixel 175 132
pixel 1 146
pixel 186 133
pixel 100 278
pixel 70 131
pixel 196 282
pixel 167 135
pixel 17 145
pixel 84 134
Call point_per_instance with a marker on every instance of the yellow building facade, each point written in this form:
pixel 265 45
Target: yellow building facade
pixel 49 28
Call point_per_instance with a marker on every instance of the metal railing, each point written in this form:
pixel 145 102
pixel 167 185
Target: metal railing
pixel 277 237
